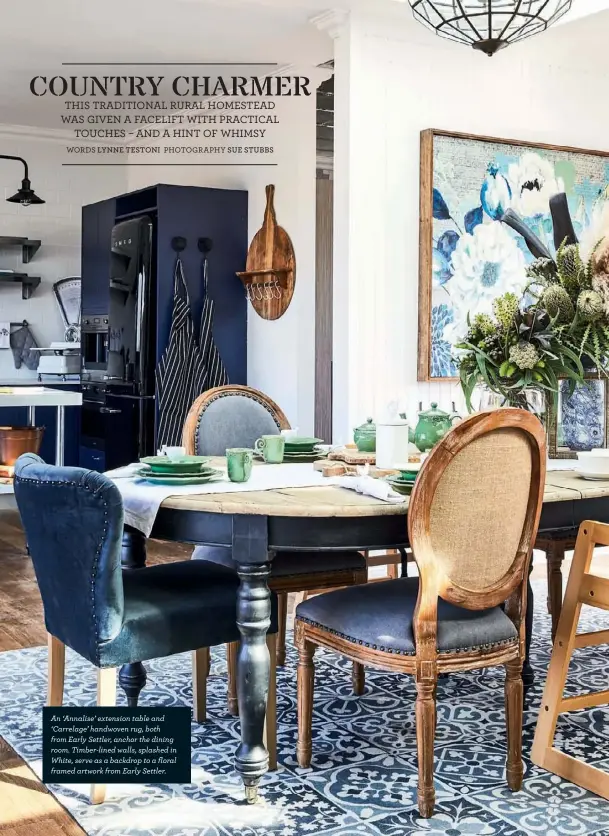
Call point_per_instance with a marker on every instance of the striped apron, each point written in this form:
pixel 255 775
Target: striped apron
pixel 180 375
pixel 215 372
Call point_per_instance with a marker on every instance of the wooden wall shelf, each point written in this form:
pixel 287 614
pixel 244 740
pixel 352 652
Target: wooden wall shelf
pixel 29 247
pixel 28 283
pixel 270 269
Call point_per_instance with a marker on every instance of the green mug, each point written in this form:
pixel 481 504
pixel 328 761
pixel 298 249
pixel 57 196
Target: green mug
pixel 271 448
pixel 239 461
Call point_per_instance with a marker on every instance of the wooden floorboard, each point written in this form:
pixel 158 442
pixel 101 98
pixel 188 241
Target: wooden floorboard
pixel 26 807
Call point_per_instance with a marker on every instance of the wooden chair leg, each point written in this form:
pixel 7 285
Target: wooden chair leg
pixel 358 678
pixel 200 672
pixel 305 686
pixel 270 723
pixel 555 554
pixel 513 714
pixel 282 616
pixel 426 727
pixel 106 695
pixel 56 668
pixel 232 650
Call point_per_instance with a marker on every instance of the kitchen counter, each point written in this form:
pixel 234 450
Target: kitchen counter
pixel 46 381
pixel 42 396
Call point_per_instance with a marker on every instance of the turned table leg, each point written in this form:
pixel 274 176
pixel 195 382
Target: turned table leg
pixel 132 677
pixel 252 559
pixel 555 554
pixel 528 677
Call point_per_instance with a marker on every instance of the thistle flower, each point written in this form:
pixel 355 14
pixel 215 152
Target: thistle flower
pixel 505 308
pixel 571 269
pixel 524 355
pixel 599 260
pixel 557 303
pixel 589 305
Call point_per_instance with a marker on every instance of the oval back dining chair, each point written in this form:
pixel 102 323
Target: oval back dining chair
pixel 472 520
pixel 235 416
pixel 73 521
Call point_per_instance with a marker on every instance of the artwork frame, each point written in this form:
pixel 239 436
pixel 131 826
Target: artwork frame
pixel 429 321
pixel 558 451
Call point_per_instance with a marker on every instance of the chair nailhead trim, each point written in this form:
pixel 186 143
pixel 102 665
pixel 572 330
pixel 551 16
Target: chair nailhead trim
pixel 96 558
pixel 487 646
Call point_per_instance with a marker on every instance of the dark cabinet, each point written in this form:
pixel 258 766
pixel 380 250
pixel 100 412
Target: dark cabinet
pixel 97 223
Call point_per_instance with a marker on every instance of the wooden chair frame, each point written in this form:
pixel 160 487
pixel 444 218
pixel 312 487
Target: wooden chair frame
pixel 189 433
pixel 426 664
pixel 582 588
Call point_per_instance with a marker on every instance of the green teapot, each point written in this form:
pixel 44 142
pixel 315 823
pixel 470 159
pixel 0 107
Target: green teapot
pixel 433 425
pixel 364 437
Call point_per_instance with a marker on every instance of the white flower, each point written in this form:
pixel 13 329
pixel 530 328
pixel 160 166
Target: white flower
pixel 533 182
pixel 486 264
pixel 596 231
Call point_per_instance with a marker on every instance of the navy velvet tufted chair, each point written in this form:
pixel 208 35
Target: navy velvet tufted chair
pixel 73 520
pixel 235 416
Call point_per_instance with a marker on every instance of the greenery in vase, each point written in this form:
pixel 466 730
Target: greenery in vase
pixel 515 350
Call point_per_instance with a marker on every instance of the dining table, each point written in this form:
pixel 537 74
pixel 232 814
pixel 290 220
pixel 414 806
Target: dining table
pixel 257 524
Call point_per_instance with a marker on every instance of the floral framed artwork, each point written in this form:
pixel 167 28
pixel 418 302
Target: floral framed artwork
pixel 468 257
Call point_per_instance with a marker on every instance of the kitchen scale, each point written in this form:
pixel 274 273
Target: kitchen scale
pixel 63 357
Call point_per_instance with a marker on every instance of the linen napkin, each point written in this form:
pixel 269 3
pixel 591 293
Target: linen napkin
pixel 377 488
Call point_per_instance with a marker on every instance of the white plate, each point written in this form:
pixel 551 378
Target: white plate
pixel 594 477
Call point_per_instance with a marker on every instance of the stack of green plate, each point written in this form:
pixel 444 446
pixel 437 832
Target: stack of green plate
pixel 404 481
pixel 301 449
pixel 189 470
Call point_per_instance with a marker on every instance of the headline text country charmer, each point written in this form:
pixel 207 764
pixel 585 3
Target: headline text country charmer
pixel 182 86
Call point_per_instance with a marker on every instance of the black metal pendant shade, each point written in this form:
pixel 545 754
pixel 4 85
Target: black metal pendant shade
pixel 26 195
pixel 489 25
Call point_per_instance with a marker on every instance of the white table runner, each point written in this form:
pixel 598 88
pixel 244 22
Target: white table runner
pixel 142 500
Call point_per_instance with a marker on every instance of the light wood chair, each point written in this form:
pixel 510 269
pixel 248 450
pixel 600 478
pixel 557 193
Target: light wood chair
pixel 235 416
pixel 583 587
pixel 472 520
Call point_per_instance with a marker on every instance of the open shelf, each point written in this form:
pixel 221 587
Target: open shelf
pixel 28 246
pixel 28 283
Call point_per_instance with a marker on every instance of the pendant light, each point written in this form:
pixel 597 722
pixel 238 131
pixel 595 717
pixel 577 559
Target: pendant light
pixel 488 25
pixel 25 195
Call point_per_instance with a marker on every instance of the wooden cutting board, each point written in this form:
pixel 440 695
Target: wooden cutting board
pixel 270 269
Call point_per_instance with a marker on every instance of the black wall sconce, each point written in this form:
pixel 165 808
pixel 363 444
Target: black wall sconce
pixel 26 195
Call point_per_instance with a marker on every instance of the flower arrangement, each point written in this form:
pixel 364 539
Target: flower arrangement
pixel 513 351
pixel 558 325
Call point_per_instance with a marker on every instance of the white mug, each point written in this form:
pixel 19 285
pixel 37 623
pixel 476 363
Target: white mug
pixel 173 453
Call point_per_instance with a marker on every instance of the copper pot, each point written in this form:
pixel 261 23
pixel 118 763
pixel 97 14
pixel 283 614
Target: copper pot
pixel 14 441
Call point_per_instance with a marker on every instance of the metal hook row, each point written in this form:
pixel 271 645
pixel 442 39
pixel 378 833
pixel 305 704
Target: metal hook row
pixel 263 291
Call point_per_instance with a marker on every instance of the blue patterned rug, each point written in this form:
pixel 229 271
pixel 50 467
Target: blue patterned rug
pixel 363 777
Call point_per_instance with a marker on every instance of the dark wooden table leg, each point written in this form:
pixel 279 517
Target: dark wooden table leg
pixel 528 677
pixel 132 677
pixel 252 558
pixel 555 555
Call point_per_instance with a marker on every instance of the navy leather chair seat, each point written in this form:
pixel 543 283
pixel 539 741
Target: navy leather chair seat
pixel 379 616
pixel 290 564
pixel 174 608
